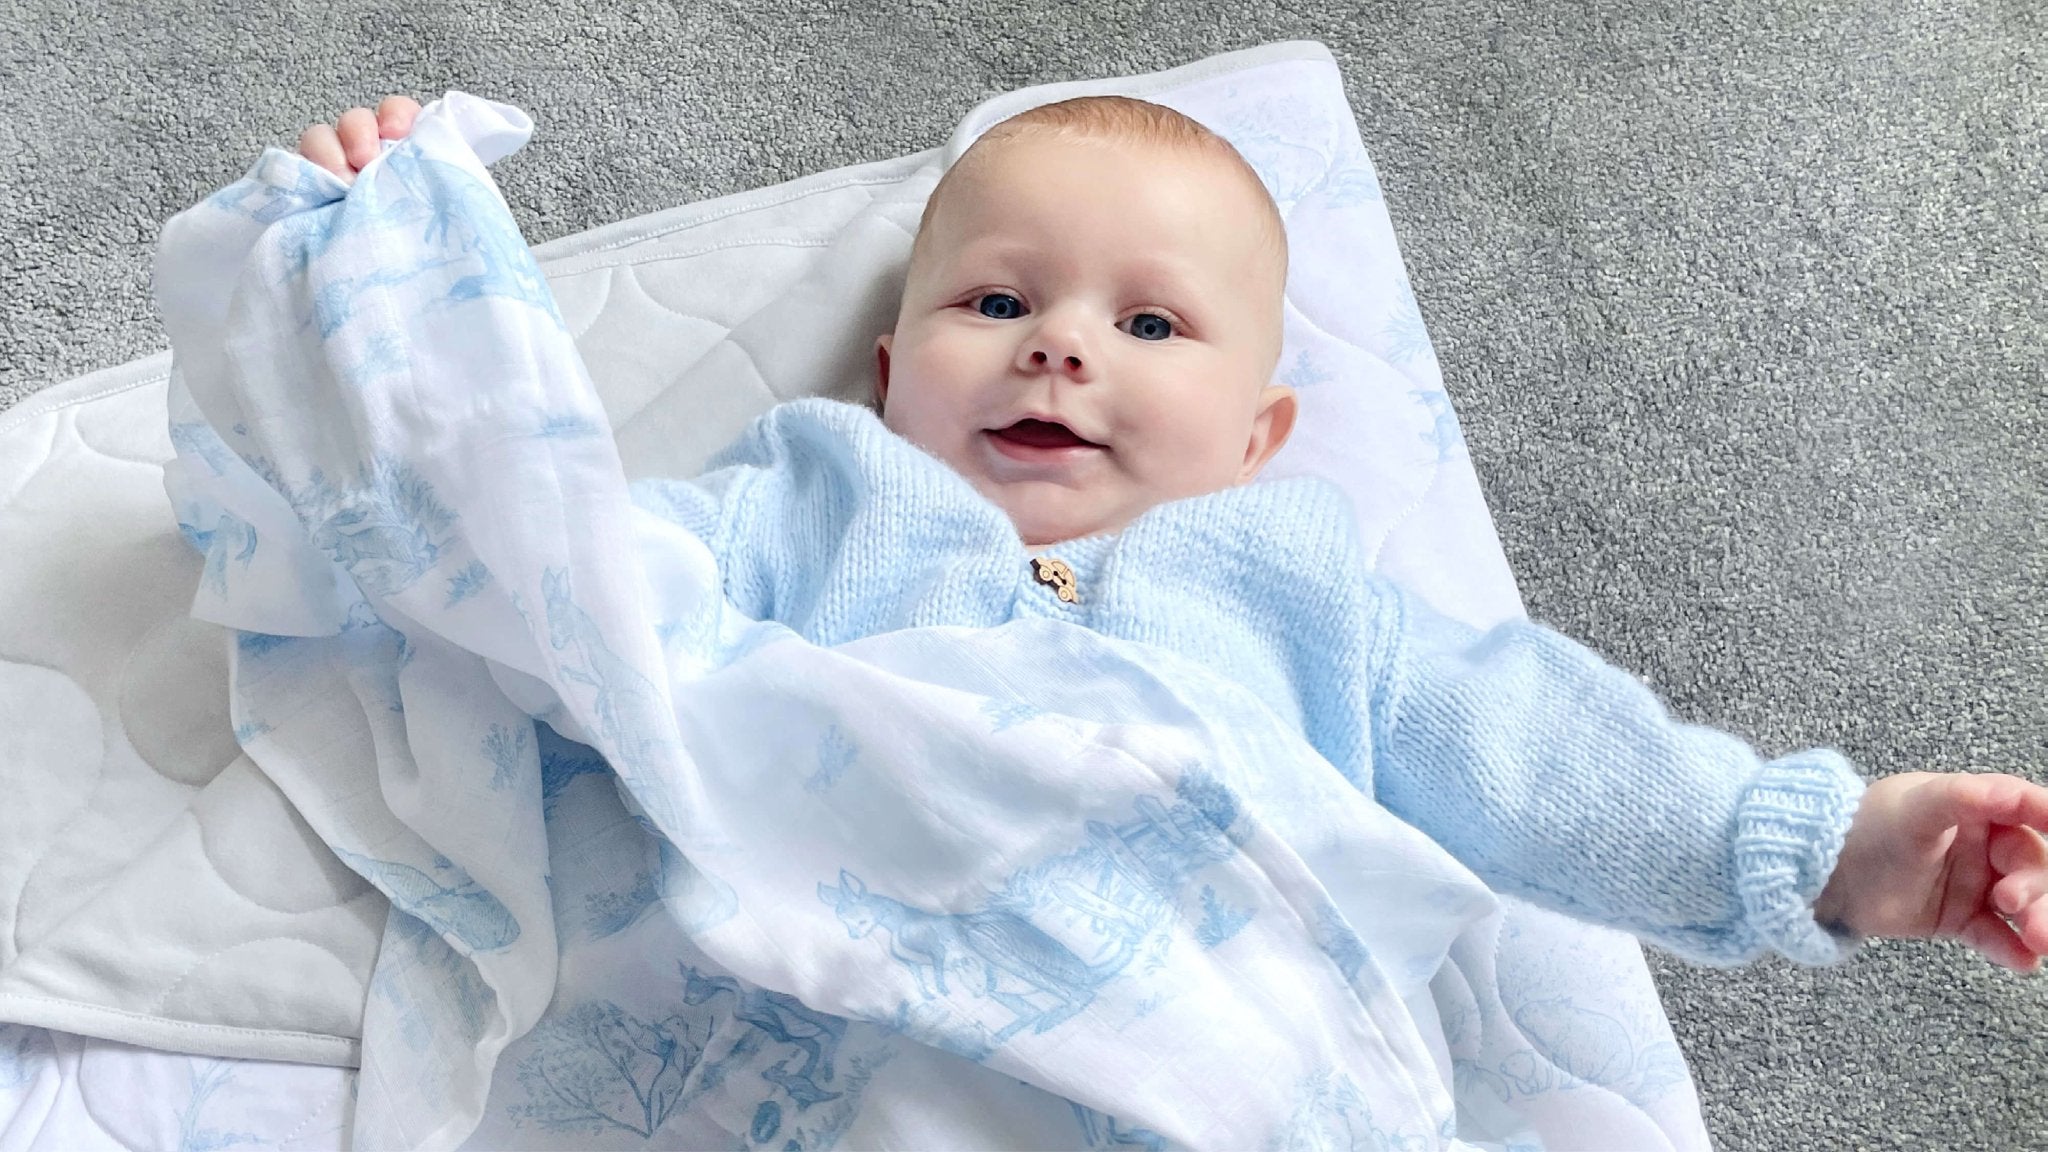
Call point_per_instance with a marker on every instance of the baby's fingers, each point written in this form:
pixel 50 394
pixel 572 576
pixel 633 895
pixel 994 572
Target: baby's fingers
pixel 2015 849
pixel 2021 895
pixel 320 145
pixel 358 131
pixel 395 116
pixel 1995 938
pixel 2031 924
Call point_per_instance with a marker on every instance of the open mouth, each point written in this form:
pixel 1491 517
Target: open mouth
pixel 1040 436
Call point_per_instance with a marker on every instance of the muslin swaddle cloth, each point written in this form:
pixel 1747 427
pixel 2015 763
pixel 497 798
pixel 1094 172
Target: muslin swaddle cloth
pixel 737 888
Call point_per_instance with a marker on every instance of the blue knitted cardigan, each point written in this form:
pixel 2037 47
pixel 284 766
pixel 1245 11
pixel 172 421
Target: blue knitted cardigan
pixel 1553 775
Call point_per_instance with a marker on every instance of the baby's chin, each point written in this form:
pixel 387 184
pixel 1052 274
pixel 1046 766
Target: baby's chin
pixel 1040 523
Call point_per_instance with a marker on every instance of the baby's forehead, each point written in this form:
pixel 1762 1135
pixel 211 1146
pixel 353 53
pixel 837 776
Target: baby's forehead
pixel 1171 159
pixel 986 175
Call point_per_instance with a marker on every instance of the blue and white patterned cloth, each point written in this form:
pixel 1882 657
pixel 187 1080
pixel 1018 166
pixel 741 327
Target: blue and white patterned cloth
pixel 1022 886
pixel 1555 776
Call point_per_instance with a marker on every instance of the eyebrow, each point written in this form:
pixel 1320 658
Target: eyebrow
pixel 987 252
pixel 1157 270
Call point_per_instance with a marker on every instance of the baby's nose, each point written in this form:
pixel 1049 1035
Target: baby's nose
pixel 1040 359
pixel 1052 349
pixel 1059 342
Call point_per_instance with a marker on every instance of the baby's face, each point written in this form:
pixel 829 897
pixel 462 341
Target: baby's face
pixel 1090 330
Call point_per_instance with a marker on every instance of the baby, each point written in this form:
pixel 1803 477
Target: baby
pixel 1082 359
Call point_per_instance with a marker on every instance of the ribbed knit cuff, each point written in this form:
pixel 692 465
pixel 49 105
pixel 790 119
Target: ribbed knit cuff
pixel 1789 830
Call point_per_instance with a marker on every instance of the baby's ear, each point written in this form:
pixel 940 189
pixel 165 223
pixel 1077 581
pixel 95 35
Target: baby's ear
pixel 882 343
pixel 1271 427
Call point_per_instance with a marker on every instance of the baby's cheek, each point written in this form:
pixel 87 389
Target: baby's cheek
pixel 1204 461
pixel 916 411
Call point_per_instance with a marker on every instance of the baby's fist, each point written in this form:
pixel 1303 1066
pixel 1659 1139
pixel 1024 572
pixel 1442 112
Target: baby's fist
pixel 1947 854
pixel 355 139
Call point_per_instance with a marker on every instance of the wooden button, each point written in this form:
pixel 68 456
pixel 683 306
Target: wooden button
pixel 1059 575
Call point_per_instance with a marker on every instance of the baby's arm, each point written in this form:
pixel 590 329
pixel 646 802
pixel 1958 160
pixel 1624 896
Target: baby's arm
pixel 357 136
pixel 1560 778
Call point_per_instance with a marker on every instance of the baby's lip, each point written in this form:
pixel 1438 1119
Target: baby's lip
pixel 1034 432
pixel 1036 445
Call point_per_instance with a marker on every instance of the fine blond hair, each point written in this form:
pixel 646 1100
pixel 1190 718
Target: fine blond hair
pixel 1122 120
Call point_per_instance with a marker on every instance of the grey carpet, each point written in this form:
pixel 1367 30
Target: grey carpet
pixel 1740 309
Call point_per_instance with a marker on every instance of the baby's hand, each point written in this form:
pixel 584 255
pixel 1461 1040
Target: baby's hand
pixel 1947 854
pixel 353 140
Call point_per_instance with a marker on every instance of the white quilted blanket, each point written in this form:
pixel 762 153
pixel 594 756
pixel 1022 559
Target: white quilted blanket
pixel 170 895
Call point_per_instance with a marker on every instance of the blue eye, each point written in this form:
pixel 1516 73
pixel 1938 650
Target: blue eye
pixel 1000 306
pixel 1147 326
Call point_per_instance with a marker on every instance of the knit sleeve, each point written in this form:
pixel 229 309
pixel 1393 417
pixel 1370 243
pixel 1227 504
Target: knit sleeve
pixel 717 508
pixel 1560 779
pixel 774 506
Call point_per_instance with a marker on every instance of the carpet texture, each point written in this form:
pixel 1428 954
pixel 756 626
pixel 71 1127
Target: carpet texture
pixel 1740 309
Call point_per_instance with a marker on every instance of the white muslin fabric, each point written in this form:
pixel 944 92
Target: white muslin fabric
pixel 915 867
